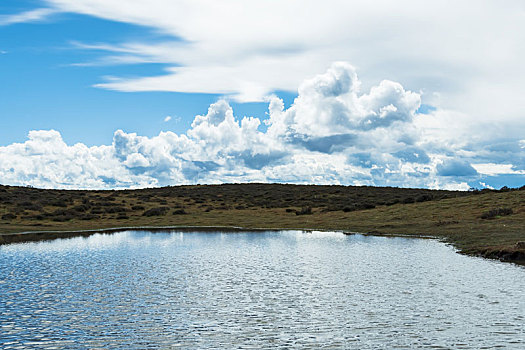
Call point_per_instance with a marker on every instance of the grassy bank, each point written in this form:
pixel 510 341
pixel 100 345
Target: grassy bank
pixel 486 223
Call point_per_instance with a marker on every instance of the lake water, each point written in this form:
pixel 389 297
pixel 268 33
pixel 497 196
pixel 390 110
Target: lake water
pixel 291 289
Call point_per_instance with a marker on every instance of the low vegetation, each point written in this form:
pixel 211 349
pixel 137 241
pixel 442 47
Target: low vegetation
pixel 495 213
pixel 304 211
pixel 158 211
pixel 488 222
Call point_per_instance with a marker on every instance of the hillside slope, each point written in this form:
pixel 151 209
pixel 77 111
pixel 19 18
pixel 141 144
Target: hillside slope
pixel 486 223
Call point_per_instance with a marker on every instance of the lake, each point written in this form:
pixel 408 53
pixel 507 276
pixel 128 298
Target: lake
pixel 289 289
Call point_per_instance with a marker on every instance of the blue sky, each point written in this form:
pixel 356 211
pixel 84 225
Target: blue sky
pixel 426 108
pixel 44 88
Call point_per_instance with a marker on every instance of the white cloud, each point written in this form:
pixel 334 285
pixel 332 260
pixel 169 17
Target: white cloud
pixel 330 104
pixel 333 133
pixel 464 56
pixel 497 169
pixel 462 186
pixel 136 160
pixel 167 119
pixel 486 186
pixel 28 16
pixel 44 160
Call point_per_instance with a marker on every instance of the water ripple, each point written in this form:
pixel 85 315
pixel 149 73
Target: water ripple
pixel 268 290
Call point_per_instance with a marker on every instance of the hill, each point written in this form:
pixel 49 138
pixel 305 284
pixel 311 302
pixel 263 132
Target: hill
pixel 486 223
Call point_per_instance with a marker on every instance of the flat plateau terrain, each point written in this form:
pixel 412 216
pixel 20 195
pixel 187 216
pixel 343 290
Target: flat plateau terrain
pixel 483 223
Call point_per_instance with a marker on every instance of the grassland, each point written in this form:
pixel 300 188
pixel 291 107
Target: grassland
pixel 484 223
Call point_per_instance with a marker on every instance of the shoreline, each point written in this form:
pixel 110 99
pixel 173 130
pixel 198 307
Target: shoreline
pixel 484 223
pixel 37 236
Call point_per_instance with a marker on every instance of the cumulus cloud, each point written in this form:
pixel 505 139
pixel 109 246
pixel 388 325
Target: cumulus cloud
pixel 335 132
pixel 45 160
pixel 330 110
pixel 167 118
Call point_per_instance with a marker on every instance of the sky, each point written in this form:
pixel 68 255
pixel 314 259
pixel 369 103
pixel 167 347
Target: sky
pixel 109 94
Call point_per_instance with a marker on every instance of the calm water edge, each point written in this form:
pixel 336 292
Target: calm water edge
pixel 290 289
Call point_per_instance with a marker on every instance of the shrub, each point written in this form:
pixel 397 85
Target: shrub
pixel 105 204
pixel 89 217
pixel 63 212
pixel 494 213
pixel 156 211
pixel 97 211
pixel 138 207
pixel 58 203
pixel 115 209
pixel 290 210
pixel 8 216
pixel 62 218
pixel 348 209
pixel 423 198
pixel 408 200
pixel 122 217
pixel 81 208
pixel 304 211
pixel 30 206
pixel 179 212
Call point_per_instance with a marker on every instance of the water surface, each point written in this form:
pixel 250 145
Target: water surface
pixel 292 289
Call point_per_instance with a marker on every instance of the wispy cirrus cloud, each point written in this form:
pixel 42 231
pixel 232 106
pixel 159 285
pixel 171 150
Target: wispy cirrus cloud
pixel 28 16
pixel 453 52
pixel 462 56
